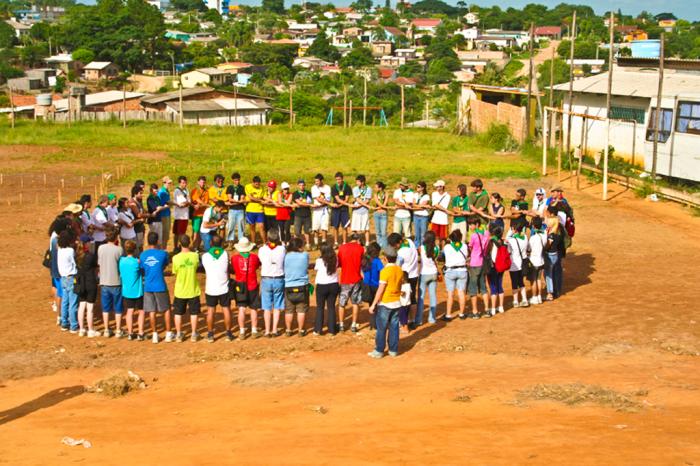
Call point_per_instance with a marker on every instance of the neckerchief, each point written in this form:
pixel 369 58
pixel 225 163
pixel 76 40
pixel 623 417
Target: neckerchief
pixel 519 236
pixel 271 245
pixel 483 191
pixel 104 211
pixel 216 252
pixel 381 195
pixel 219 191
pixel 245 255
pixel 405 244
pixel 457 246
pixel 479 231
pixel 341 193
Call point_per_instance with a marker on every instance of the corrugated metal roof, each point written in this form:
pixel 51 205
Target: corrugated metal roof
pixel 97 65
pixel 218 105
pixel 637 83
pixel 98 98
pixel 164 97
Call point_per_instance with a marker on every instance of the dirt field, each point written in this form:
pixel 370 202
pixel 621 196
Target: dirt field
pixel 607 374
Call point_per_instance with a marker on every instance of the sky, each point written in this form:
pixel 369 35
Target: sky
pixel 686 9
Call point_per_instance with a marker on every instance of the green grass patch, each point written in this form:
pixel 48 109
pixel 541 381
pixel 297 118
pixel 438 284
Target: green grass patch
pixel 274 151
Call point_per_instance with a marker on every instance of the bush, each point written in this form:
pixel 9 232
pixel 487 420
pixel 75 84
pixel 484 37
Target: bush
pixel 499 138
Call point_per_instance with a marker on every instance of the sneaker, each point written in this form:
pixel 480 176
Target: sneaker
pixel 241 335
pixel 64 329
pixel 516 304
pixel 74 332
pixel 154 338
pixel 289 333
pixel 140 337
pixel 354 328
pixel 476 316
pixel 256 335
pixel 501 310
pixel 93 333
pixel 462 316
pixel 54 308
pixel 107 333
pixel 210 337
pixel 375 354
pixel 533 301
pixel 131 336
pixel 120 334
pixel 180 337
pixel 493 312
pixel 341 327
pixel 194 337
pixel 539 299
pixel 447 318
pixel 393 354
pixel 302 332
pixel 82 332
pixel 316 334
pixel 169 337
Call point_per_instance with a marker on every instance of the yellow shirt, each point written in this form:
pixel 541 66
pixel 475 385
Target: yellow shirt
pixel 250 190
pixel 392 275
pixel 217 194
pixel 272 210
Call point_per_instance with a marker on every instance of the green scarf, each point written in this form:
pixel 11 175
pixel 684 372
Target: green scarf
pixel 216 252
pixel 245 255
pixel 519 236
pixel 480 231
pixel 405 244
pixel 457 246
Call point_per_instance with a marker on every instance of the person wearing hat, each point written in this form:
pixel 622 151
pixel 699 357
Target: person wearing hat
pixel 403 199
pixel 254 215
pixel 165 218
pixel 539 203
pixel 558 205
pixel 285 211
pixel 302 212
pixel 236 209
pixel 340 211
pixel 246 290
pixel 270 207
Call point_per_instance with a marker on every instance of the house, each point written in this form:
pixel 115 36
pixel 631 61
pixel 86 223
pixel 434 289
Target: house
pixel 177 35
pixel 233 67
pixel 108 101
pixel 407 54
pixel 63 63
pixel 519 38
pixel 472 18
pixel 205 77
pixel 155 3
pixel 420 27
pixel 485 42
pixel 21 29
pixel 39 12
pixel 581 66
pixel 632 113
pixel 222 111
pixel 158 102
pixel 310 63
pixel 352 32
pixel 381 48
pixel 405 82
pixel 548 32
pixel 393 33
pixel 469 33
pixel 386 74
pixel 330 69
pixel 97 70
pixel 34 80
pixel 631 32
pixel 464 75
pixel 391 61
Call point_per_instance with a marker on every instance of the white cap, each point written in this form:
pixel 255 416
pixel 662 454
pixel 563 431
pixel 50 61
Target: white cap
pixel 285 185
pixel 439 183
pixel 540 191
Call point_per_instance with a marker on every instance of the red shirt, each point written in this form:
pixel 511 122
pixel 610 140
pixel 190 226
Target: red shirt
pixel 350 262
pixel 284 213
pixel 246 269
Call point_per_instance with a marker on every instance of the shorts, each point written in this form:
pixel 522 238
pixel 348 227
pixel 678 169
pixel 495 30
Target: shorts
pixel 196 224
pixel 180 305
pixel 350 292
pixel 56 283
pixel 302 222
pixel 360 220
pixel 254 218
pixel 272 293
pixel 340 218
pixel 111 298
pixel 440 230
pixel 516 279
pixel 320 219
pixel 296 299
pixel 134 303
pixel 249 299
pixel 223 300
pixel 156 301
pixel 88 296
pixel 534 273
pixel 414 289
pixel 180 227
pixel 456 279
pixel 477 281
pixel 495 282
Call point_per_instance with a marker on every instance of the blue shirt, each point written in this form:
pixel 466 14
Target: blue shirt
pixel 153 263
pixel 164 197
pixel 296 269
pixel 371 275
pixel 130 273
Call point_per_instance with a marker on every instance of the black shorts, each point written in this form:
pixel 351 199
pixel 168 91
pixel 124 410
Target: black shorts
pixel 534 273
pixel 516 279
pixel 88 296
pixel 302 223
pixel 133 303
pixel 414 289
pixel 340 218
pixel 223 300
pixel 246 297
pixel 180 305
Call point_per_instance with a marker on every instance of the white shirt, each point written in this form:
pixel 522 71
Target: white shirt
pixel 419 198
pixel 85 220
pixel 181 196
pixel 408 259
pixel 537 242
pixel 99 219
pixel 364 194
pixel 518 251
pixel 539 206
pixel 405 197
pixel 318 191
pixel 428 265
pixel 443 200
pixel 456 258
pixel 272 261
pixel 126 232
pixel 206 218
pixel 65 259
pixel 322 276
pixel 112 214
pixel 216 274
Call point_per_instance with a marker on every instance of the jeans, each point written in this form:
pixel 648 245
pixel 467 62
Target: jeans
pixel 403 226
pixel 553 274
pixel 272 293
pixel 420 226
pixel 206 241
pixel 429 283
pixel 69 304
pixel 387 320
pixel 326 295
pixel 380 223
pixel 235 225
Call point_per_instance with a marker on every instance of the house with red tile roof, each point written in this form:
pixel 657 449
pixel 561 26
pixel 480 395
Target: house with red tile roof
pixel 548 32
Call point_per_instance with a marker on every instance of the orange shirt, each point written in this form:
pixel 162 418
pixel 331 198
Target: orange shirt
pixel 201 197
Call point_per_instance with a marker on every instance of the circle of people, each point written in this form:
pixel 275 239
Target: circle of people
pixel 117 252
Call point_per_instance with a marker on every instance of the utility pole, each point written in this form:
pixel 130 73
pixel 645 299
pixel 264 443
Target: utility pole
pixel 12 107
pixel 403 106
pixel 235 105
pixel 364 104
pixel 345 106
pixel 551 96
pixel 180 102
pixel 606 150
pixel 124 104
pixel 657 114
pixel 350 115
pixel 291 105
pixel 572 36
pixel 528 107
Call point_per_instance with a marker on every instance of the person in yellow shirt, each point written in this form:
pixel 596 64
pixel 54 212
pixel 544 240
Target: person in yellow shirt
pixel 387 302
pixel 254 215
pixel 270 206
pixel 217 192
pixel 187 291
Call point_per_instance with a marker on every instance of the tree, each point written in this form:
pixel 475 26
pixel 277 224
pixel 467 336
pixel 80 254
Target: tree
pixel 439 72
pixel 7 35
pixel 358 57
pixel 362 5
pixel 389 18
pixel 322 48
pixel 212 15
pixel 275 6
pixel 434 6
pixel 561 73
pixel 188 5
pixel 84 56
pixel 268 54
pixel 238 33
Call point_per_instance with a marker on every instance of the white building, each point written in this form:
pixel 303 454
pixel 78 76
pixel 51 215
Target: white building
pixel 471 18
pixel 222 111
pixel 205 77
pixel 469 33
pixel 634 94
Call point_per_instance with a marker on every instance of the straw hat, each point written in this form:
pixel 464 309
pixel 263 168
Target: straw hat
pixel 439 183
pixel 403 181
pixel 244 245
pixel 73 208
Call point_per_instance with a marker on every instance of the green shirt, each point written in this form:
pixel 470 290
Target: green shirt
pixel 463 203
pixel 185 268
pixel 479 201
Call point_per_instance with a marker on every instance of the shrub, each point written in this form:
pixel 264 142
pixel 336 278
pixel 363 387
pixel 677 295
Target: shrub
pixel 499 138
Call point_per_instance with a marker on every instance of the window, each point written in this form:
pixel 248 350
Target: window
pixel 688 120
pixel 627 113
pixel 664 124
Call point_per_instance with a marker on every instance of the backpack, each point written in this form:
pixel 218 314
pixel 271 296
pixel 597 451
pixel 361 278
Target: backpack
pixel 566 237
pixel 570 227
pixel 502 262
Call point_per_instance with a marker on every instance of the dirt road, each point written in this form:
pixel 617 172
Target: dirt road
pixel 498 391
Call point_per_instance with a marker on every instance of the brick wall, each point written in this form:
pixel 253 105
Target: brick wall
pixel 483 115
